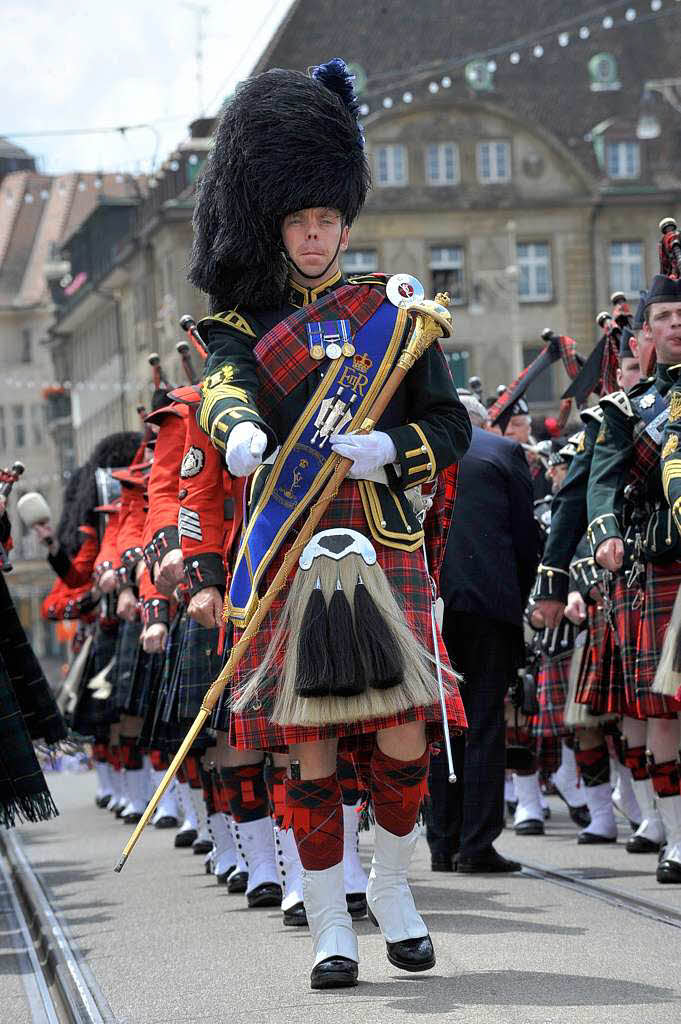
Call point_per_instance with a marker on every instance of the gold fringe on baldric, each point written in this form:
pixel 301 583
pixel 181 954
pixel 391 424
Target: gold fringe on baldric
pixel 418 688
pixel 668 676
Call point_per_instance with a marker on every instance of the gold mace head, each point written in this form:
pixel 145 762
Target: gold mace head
pixel 430 320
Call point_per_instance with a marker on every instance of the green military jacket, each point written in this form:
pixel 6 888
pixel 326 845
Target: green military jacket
pixel 671 449
pixel 569 521
pixel 426 421
pixel 624 420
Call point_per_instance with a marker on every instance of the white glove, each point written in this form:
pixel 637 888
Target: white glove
pixel 369 452
pixel 245 447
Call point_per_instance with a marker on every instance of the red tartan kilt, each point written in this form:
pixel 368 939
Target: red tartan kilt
pixel 662 584
pixel 552 689
pixel 600 682
pixel 405 571
pixel 627 623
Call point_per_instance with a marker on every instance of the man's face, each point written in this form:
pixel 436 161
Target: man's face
pixel 664 331
pixel 629 373
pixel 518 428
pixel 556 475
pixel 311 238
pixel 644 350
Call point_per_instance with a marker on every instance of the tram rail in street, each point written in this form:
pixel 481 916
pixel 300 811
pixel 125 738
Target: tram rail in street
pixel 59 986
pixel 613 897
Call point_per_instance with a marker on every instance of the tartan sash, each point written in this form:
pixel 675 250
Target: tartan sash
pixel 284 359
pixel 303 465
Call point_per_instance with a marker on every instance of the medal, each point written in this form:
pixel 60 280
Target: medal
pixel 333 351
pixel 348 349
pixel 403 290
pixel 317 352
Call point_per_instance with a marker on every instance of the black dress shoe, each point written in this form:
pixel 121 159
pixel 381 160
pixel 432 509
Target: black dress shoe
pixel 409 954
pixel 639 844
pixel 184 839
pixel 580 815
pixel 132 818
pixel 103 801
pixel 295 916
pixel 441 862
pixel 167 821
pixel 357 905
pixel 336 972
pixel 266 895
pixel 489 862
pixel 237 881
pixel 669 872
pixel 529 827
pixel 224 876
pixel 593 839
pixel 205 846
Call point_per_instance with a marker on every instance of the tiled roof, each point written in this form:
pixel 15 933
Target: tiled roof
pixel 402 46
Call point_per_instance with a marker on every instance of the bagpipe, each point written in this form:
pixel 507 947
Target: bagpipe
pixel 8 478
pixel 556 347
pixel 599 373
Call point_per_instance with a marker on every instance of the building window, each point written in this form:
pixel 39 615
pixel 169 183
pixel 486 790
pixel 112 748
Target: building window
pixel 446 270
pixel 534 271
pixel 19 426
pixel 542 388
pixel 360 261
pixel 391 165
pixel 623 159
pixel 26 352
pixel 442 164
pixel 458 363
pixel 37 423
pixel 3 430
pixel 626 268
pixel 494 162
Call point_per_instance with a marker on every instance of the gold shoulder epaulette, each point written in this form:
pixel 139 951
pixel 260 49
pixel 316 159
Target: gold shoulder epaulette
pixel 620 401
pixel 232 318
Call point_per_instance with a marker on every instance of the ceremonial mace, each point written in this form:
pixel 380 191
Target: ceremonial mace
pixel 430 320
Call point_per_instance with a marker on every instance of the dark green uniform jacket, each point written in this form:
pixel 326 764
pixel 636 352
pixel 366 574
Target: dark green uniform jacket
pixel 426 421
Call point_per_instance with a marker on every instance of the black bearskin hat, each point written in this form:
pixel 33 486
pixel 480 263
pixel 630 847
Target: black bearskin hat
pixel 114 451
pixel 286 141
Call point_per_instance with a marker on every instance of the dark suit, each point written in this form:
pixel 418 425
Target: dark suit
pixel 488 570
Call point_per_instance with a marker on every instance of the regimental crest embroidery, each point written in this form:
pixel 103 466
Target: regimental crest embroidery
pixel 671 445
pixel 647 401
pixel 192 463
pixel 224 375
pixel 675 407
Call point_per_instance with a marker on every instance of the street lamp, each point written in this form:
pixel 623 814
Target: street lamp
pixel 648 125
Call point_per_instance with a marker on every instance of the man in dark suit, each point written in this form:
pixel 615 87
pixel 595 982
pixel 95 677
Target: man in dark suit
pixel 487 574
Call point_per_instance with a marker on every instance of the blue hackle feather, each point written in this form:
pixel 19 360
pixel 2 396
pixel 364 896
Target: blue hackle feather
pixel 336 77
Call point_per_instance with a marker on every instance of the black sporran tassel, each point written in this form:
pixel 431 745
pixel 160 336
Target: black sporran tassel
pixel 347 669
pixel 381 655
pixel 314 665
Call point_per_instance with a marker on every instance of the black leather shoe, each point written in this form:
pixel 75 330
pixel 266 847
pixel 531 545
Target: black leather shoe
pixel 357 905
pixel 593 839
pixel 132 818
pixel 669 872
pixel 266 895
pixel 295 917
pixel 184 839
pixel 167 821
pixel 489 862
pixel 639 844
pixel 103 801
pixel 204 847
pixel 409 954
pixel 237 882
pixel 224 876
pixel 530 827
pixel 336 972
pixel 580 815
pixel 441 862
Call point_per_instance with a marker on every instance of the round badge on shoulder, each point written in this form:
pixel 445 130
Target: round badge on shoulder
pixel 404 290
